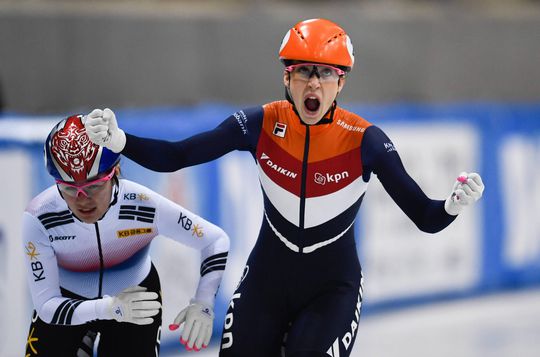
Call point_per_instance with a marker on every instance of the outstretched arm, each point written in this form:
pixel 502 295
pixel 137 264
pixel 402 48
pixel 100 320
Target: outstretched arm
pixel 380 157
pixel 166 156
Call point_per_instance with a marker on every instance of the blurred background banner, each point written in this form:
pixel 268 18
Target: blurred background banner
pixel 493 247
pixel 63 55
pixel 455 84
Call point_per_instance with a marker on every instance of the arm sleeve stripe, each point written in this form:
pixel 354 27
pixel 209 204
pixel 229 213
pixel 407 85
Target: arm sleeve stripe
pixel 58 223
pixel 213 263
pixel 58 311
pixel 64 312
pixel 215 256
pixel 54 215
pixel 71 311
pixel 212 268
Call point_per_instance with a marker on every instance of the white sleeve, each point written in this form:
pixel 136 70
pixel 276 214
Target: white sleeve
pixel 43 281
pixel 184 226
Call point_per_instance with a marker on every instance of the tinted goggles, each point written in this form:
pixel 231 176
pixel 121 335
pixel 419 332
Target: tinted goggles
pixel 324 72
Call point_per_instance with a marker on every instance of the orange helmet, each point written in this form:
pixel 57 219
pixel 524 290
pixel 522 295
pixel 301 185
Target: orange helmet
pixel 319 41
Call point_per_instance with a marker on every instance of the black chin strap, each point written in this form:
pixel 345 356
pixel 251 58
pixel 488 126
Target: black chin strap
pixel 330 118
pixel 114 198
pixel 116 189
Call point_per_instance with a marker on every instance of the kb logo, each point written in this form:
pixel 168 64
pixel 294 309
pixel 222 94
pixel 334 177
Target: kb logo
pixel 185 222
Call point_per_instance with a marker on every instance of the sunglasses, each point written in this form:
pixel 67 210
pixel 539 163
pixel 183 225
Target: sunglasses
pixel 324 72
pixel 88 189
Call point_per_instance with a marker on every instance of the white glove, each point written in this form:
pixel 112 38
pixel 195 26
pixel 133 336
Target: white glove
pixel 199 319
pixel 134 305
pixel 467 189
pixel 102 128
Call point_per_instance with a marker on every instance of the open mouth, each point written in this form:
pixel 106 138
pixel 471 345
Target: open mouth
pixel 312 104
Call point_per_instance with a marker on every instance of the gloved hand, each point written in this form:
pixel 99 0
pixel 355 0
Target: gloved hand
pixel 134 305
pixel 467 189
pixel 199 319
pixel 102 129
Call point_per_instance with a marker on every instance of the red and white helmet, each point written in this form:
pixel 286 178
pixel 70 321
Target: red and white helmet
pixel 70 156
pixel 317 41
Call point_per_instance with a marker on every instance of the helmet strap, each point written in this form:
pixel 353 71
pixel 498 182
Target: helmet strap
pixel 115 189
pixel 114 195
pixel 331 116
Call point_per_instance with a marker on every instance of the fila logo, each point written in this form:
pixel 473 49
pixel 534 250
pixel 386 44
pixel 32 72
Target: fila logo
pixel 280 129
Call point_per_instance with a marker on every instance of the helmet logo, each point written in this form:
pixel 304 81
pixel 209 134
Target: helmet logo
pixel 73 150
pixel 350 48
pixel 285 40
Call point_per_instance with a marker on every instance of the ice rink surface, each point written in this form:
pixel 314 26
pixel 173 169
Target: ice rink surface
pixel 501 325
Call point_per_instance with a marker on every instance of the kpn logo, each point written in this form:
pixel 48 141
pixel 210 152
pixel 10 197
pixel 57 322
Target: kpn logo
pixel 322 179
